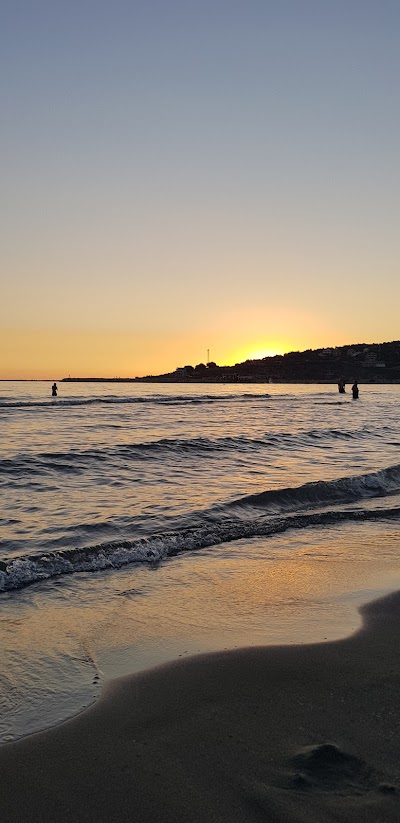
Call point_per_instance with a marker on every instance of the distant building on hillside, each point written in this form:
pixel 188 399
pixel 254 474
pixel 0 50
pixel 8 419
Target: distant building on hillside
pixel 184 371
pixel 371 359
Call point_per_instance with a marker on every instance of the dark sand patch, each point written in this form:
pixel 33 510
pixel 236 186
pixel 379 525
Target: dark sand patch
pixel 280 734
pixel 327 767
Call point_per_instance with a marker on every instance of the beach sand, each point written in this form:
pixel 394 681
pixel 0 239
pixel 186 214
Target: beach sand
pixel 304 733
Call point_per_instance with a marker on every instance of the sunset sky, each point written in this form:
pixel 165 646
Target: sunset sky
pixel 180 176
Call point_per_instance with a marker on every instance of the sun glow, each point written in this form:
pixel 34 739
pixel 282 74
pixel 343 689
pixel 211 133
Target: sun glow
pixel 260 353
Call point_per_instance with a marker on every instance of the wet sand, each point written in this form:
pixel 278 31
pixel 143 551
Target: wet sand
pixel 305 733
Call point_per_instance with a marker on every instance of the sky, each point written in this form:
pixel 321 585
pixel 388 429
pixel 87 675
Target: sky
pixel 181 176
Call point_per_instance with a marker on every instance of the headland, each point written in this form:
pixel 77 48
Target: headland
pixel 367 363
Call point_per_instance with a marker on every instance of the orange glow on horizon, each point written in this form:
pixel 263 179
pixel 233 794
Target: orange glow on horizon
pixel 260 353
pixel 57 353
pixel 257 351
pixel 52 355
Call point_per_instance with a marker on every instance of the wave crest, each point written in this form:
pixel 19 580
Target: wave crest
pixel 16 573
pixel 166 400
pixel 79 460
pixel 324 492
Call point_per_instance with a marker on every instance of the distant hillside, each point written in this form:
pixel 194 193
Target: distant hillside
pixel 367 363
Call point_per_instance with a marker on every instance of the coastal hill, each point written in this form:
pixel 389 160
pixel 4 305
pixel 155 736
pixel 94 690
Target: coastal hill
pixel 367 363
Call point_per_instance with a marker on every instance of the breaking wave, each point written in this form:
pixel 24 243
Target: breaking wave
pixel 18 572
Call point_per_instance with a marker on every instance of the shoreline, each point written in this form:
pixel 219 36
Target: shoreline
pixel 269 593
pixel 282 733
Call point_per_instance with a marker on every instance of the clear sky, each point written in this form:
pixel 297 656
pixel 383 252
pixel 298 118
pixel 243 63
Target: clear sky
pixel 179 175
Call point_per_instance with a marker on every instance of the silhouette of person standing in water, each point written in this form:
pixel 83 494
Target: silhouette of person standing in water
pixel 341 386
pixel 54 390
pixel 354 389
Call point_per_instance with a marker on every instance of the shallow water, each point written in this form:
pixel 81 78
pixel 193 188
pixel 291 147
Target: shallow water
pixel 140 523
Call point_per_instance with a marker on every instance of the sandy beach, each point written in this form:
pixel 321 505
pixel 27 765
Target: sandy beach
pixel 199 413
pixel 295 733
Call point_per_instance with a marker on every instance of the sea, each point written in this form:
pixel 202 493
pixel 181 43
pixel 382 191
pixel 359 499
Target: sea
pixel 141 523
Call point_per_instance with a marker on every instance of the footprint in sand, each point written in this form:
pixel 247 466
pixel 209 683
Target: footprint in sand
pixel 327 767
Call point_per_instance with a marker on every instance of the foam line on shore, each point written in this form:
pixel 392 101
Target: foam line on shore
pixel 16 573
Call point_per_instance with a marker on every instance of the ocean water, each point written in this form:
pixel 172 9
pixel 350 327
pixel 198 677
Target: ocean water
pixel 143 522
